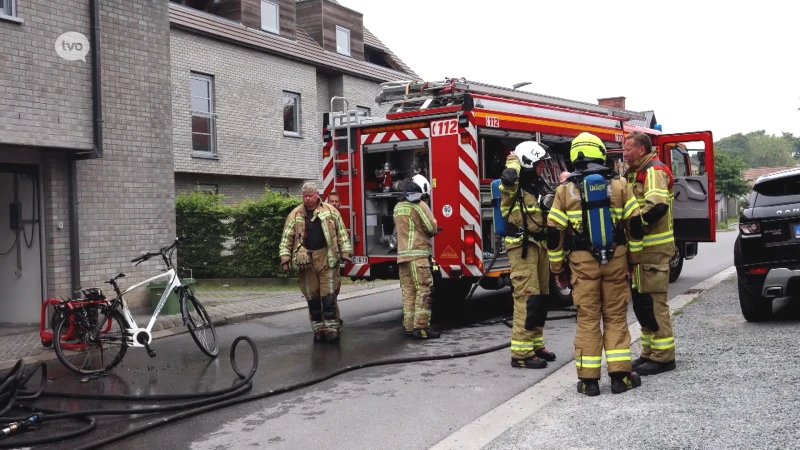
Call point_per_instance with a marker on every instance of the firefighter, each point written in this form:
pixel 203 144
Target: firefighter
pixel 415 226
pixel 521 188
pixel 314 240
pixel 599 275
pixel 336 201
pixel 651 181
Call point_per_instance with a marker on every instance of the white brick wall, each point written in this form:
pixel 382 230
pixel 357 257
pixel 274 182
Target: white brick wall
pixel 361 92
pixel 248 98
pixel 44 100
pixel 235 189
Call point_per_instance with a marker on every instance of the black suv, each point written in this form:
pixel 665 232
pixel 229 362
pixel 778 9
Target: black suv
pixel 767 250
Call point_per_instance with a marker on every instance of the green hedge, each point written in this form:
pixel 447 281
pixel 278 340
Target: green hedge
pixel 256 229
pixel 201 216
pixel 254 226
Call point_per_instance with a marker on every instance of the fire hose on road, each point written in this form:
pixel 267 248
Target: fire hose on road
pixel 16 397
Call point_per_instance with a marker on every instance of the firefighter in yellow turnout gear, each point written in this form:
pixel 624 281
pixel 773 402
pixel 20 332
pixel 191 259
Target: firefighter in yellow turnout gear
pixel 313 241
pixel 651 181
pixel 603 236
pixel 415 226
pixel 520 191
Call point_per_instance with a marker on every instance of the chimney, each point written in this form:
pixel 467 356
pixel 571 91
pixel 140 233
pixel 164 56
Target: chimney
pixel 612 102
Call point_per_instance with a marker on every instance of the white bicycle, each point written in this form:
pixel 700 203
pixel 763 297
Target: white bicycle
pixel 89 330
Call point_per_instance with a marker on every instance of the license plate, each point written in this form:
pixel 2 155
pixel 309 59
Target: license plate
pixel 797 231
pixel 360 260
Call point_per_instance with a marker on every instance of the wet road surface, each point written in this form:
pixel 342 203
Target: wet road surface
pixel 401 406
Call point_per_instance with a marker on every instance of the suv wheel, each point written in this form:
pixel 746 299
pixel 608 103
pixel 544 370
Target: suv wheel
pixel 755 308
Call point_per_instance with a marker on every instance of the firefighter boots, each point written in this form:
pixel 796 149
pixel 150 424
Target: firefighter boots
pixel 528 363
pixel 639 361
pixel 545 354
pixel 654 368
pixel 332 336
pixel 589 386
pixel 623 382
pixel 425 333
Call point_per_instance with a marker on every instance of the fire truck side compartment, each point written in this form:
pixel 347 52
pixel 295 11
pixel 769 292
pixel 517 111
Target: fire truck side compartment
pixel 379 205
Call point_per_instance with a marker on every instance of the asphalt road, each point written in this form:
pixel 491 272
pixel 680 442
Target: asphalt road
pixel 410 406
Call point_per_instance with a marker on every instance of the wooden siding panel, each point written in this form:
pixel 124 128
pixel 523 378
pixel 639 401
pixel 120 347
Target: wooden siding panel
pixel 230 9
pixel 251 13
pixel 309 18
pixel 288 18
pixel 336 15
pixel 303 49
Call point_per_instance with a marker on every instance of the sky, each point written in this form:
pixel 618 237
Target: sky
pixel 699 66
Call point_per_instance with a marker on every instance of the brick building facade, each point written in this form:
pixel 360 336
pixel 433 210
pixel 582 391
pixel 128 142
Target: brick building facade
pixel 250 72
pixel 124 200
pixel 93 151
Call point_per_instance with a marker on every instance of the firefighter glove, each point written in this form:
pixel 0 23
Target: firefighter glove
pixel 562 280
pixel 509 177
pixel 302 259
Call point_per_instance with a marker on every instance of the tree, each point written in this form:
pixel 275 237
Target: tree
pixel 728 173
pixel 795 142
pixel 759 149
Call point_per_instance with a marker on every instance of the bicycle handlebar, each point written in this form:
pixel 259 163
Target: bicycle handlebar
pixel 148 255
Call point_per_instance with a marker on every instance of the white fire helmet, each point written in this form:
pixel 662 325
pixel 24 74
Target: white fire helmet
pixel 529 153
pixel 422 183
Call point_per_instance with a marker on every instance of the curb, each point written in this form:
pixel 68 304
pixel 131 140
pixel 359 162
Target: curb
pixel 485 429
pixel 216 320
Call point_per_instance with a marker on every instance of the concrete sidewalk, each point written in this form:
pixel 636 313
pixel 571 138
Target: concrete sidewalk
pixel 224 307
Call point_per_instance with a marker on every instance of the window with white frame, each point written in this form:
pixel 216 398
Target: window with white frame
pixel 342 40
pixel 364 110
pixel 7 8
pixel 291 114
pixel 270 16
pixel 203 135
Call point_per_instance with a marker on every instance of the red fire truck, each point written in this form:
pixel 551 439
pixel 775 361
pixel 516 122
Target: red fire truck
pixel 457 133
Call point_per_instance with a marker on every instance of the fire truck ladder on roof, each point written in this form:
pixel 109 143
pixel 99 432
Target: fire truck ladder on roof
pixel 429 91
pixel 343 162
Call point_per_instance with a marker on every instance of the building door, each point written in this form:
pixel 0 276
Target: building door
pixel 21 262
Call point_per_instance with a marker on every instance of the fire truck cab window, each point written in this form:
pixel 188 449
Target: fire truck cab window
pixel 387 170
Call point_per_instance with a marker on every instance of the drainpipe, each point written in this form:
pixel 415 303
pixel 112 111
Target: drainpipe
pixel 74 245
pixel 97 82
pixel 97 152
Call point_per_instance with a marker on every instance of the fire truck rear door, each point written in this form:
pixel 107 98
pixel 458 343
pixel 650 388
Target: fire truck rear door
pixel 695 204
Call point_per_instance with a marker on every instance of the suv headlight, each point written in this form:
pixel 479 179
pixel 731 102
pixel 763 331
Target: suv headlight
pixel 749 228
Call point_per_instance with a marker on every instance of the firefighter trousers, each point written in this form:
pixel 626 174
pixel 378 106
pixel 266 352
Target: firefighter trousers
pixel 318 286
pixel 650 283
pixel 530 279
pixel 415 285
pixel 600 292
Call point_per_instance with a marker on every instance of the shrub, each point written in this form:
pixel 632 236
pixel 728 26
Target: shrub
pixel 256 229
pixel 201 217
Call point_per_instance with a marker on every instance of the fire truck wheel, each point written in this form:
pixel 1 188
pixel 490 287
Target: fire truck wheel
pixel 676 265
pixel 560 298
pixel 448 297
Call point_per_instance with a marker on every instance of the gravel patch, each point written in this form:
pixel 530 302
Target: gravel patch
pixel 735 387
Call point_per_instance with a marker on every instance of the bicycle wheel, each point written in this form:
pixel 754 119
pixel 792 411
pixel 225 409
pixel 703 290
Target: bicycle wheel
pixel 84 346
pixel 200 327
